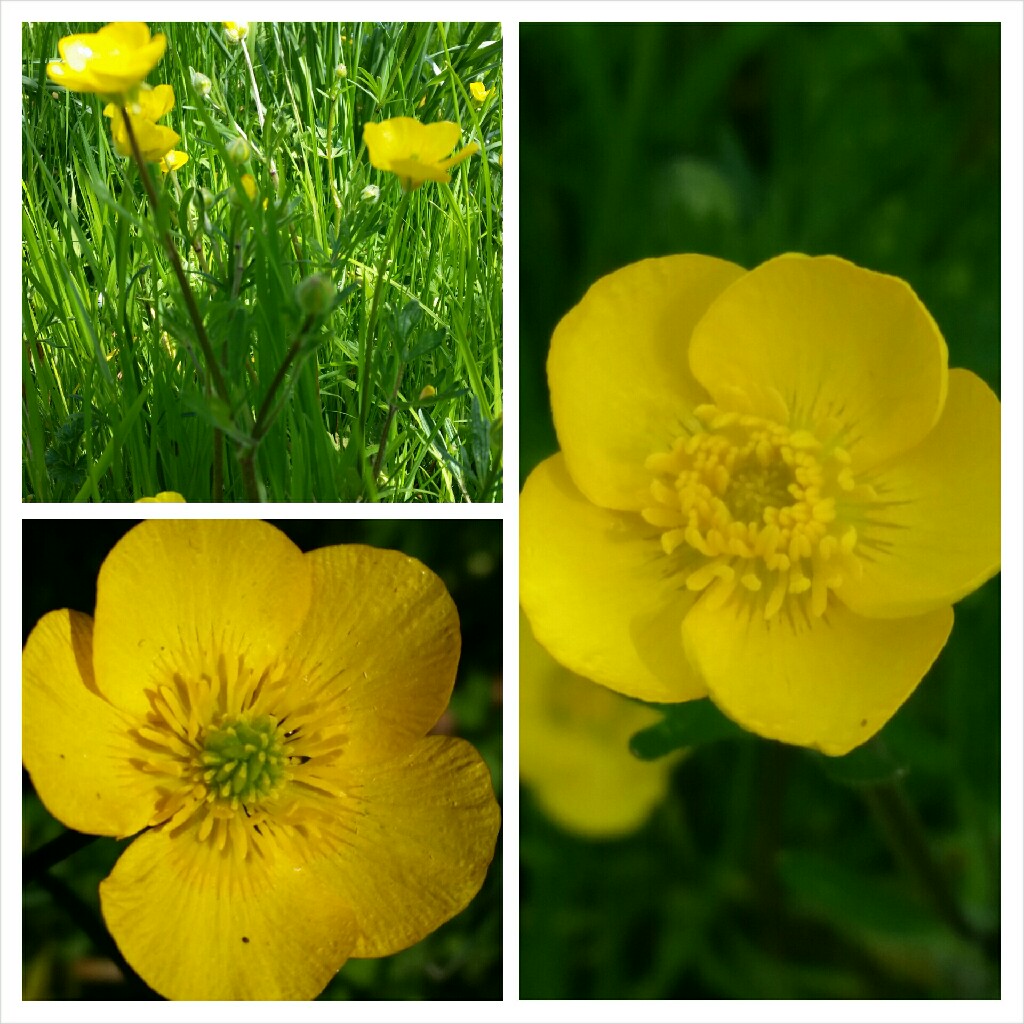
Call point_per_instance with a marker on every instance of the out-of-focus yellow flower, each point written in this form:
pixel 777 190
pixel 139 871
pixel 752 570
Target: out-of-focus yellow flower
pixel 574 748
pixel 479 92
pixel 163 496
pixel 111 62
pixel 236 31
pixel 173 161
pixel 776 501
pixel 415 151
pixel 429 391
pixel 260 717
pixel 147 107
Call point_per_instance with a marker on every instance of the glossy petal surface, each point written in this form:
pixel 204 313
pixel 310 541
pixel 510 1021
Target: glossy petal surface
pixel 89 787
pixel 833 342
pixel 378 651
pixel 934 535
pixel 198 923
pixel 594 586
pixel 829 683
pixel 412 841
pixel 618 369
pixel 173 593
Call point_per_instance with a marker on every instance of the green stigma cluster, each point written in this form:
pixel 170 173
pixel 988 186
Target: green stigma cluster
pixel 243 759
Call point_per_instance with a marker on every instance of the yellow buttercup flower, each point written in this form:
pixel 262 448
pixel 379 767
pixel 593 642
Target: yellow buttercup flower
pixel 147 107
pixel 111 62
pixel 173 161
pixel 416 152
pixel 236 31
pixel 260 715
pixel 479 91
pixel 774 500
pixel 574 748
pixel 165 495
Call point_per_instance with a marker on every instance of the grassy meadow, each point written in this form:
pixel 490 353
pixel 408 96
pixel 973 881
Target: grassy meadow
pixel 388 387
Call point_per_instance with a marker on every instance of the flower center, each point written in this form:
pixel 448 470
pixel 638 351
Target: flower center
pixel 243 759
pixel 743 501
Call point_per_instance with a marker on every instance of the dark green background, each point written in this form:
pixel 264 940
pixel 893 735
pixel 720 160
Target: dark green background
pixel 461 960
pixel 761 876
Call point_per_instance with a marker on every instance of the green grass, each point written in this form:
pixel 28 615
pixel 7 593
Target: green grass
pixel 120 400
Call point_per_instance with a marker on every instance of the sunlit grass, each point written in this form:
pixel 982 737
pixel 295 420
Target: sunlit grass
pixel 403 406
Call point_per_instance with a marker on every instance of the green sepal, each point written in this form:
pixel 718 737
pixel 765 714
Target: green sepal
pixel 684 725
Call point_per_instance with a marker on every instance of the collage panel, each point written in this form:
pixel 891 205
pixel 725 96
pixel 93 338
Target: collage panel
pixel 262 760
pixel 760 513
pixel 262 261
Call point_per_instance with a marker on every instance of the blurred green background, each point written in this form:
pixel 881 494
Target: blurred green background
pixel 762 876
pixel 67 952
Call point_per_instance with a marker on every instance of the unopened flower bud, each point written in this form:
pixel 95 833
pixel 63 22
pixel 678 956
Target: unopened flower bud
pixel 370 194
pixel 201 84
pixel 315 294
pixel 341 71
pixel 239 150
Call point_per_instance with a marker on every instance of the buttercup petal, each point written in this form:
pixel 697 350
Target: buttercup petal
pixel 379 649
pixel 89 786
pixel 173 589
pixel 829 341
pixel 574 747
pixel 594 587
pixel 934 535
pixel 200 923
pixel 413 841
pixel 829 683
pixel 620 381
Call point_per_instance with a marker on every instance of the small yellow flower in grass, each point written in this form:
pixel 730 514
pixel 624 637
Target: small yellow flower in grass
pixel 574 748
pixel 414 151
pixel 147 107
pixel 260 715
pixel 479 92
pixel 774 501
pixel 236 31
pixel 110 62
pixel 164 496
pixel 428 391
pixel 173 161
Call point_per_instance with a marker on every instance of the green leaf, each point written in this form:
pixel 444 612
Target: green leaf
pixel 684 725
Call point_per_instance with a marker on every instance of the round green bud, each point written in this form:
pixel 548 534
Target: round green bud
pixel 315 294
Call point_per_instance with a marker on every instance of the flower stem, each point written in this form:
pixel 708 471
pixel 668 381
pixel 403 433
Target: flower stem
pixel 371 327
pixel 906 837
pixel 213 368
pixel 392 408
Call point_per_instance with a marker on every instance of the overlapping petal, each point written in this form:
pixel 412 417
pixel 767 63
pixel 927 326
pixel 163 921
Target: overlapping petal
pixel 595 587
pixel 621 385
pixel 831 341
pixel 378 652
pixel 199 923
pixel 90 787
pixel 411 842
pixel 574 747
pixel 933 535
pixel 829 683
pixel 172 591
